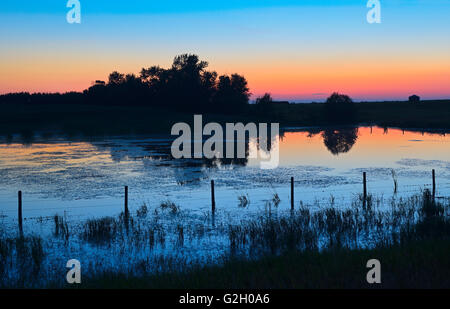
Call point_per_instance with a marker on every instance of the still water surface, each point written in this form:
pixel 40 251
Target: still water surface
pixel 85 178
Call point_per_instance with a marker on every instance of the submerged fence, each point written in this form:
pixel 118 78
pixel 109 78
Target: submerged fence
pixel 213 200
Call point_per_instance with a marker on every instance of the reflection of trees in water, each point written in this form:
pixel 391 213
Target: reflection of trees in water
pixel 265 143
pixel 340 140
pixel 164 154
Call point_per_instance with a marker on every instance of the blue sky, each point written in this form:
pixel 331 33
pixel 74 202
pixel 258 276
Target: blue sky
pixel 293 49
pixel 166 6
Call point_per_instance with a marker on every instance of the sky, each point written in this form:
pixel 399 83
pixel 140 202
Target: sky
pixel 296 50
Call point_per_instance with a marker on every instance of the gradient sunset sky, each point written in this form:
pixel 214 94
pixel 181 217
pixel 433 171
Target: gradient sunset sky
pixel 296 50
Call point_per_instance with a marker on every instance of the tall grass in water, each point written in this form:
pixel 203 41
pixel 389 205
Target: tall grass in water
pixel 142 211
pixel 433 222
pixel 169 205
pixel 27 254
pixel 100 230
pixel 354 228
pixel 61 228
pixel 150 241
pixel 276 199
pixel 244 200
pixel 37 253
pixel 431 208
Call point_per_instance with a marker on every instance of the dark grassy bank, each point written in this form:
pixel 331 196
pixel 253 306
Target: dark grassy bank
pixel 87 120
pixel 416 264
pixel 426 114
pixel 25 119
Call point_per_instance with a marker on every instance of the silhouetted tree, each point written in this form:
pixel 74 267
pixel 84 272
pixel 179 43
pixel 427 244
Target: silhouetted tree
pixel 186 86
pixel 232 94
pixel 264 105
pixel 152 76
pixel 340 108
pixel 209 83
pixel 185 83
pixel 116 78
pixel 414 99
pixel 265 99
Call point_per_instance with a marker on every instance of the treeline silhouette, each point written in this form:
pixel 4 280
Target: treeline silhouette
pixel 186 86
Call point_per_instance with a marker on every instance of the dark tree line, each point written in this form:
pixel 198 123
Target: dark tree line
pixel 186 86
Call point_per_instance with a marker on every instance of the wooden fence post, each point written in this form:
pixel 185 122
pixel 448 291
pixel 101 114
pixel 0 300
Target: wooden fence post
pixel 126 200
pixel 20 211
pixel 364 188
pixel 434 183
pixel 213 199
pixel 292 193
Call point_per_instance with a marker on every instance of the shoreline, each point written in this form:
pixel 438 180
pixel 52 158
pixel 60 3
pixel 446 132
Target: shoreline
pixel 98 120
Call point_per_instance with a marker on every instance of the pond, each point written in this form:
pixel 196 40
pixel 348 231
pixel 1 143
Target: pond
pixel 85 178
pixel 82 181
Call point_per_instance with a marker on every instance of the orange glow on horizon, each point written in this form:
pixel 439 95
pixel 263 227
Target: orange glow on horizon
pixel 303 79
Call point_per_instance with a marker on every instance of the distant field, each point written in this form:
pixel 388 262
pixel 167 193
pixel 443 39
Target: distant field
pixel 426 114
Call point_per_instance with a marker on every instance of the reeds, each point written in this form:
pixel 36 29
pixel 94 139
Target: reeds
pixel 327 228
pixel 171 206
pixel 100 230
pixel 137 241
pixel 244 201
pixel 142 211
pixel 61 227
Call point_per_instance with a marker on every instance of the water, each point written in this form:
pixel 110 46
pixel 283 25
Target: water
pixel 82 179
pixel 85 178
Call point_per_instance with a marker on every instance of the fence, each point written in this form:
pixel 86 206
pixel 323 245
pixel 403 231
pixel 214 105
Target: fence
pixel 213 201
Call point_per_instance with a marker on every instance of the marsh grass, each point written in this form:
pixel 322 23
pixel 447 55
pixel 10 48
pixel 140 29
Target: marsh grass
pixel 26 255
pixel 157 242
pixel 171 206
pixel 244 201
pixel 100 230
pixel 142 211
pixel 276 200
pixel 428 267
pixel 61 227
pixel 353 228
pixel 431 208
pixel 37 253
pixel 180 234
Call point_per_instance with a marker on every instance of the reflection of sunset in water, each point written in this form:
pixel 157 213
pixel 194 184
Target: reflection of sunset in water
pixel 373 147
pixel 62 154
pixel 88 177
pixel 370 146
